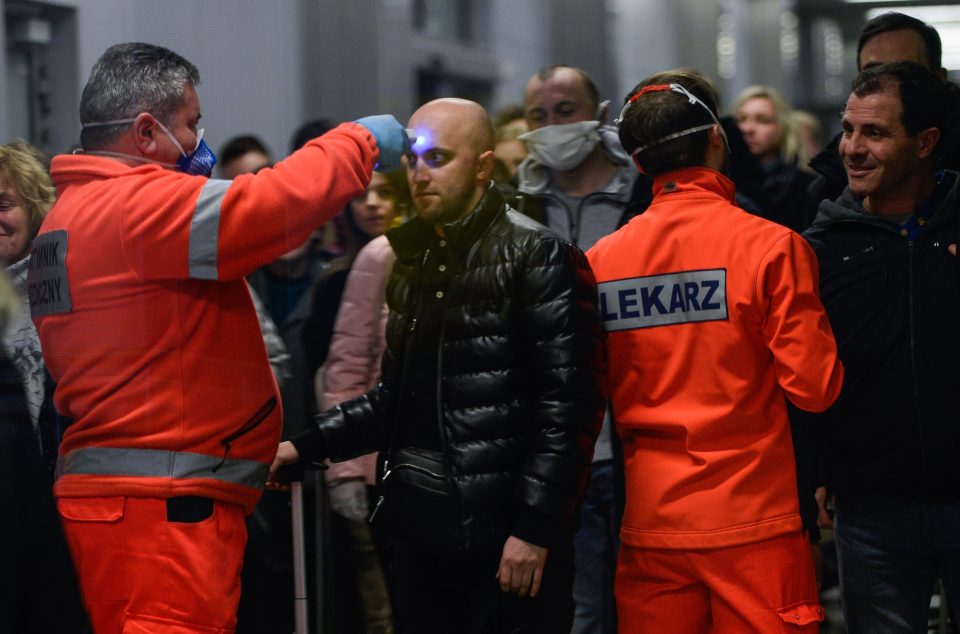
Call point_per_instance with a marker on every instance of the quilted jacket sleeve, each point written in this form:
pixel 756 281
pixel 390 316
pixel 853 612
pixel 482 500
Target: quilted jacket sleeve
pixel 564 394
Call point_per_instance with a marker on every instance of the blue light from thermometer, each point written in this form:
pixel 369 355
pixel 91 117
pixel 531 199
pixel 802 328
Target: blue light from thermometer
pixel 419 140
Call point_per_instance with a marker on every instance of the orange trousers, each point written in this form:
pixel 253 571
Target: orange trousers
pixel 141 573
pixel 763 587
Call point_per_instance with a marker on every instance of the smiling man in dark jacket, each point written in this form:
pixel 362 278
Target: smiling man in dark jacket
pixel 887 38
pixel 891 286
pixel 491 397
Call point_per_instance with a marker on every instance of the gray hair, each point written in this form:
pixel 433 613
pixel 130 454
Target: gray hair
pixel 129 79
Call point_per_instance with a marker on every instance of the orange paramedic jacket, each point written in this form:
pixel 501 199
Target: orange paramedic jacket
pixel 712 317
pixel 137 290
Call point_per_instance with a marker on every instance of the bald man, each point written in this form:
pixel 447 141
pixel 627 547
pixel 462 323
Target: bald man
pixel 490 401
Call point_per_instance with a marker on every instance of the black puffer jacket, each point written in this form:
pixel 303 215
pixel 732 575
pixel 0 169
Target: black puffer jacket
pixel 520 373
pixel 894 305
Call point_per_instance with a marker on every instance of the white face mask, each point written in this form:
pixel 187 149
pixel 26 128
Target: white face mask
pixel 564 146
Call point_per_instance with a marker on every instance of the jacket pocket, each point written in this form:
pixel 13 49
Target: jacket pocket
pixel 97 542
pixel 803 616
pixel 189 509
pixel 107 510
pixel 421 468
pixel 417 505
pixel 258 417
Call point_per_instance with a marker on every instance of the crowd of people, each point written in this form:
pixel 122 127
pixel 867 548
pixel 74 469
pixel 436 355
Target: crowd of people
pixel 577 367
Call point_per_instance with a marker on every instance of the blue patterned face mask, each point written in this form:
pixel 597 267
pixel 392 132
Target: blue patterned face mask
pixel 200 162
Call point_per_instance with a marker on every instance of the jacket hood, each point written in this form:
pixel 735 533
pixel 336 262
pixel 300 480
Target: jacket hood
pixel 534 178
pixel 850 207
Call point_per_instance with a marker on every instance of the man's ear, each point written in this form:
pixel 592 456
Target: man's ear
pixel 928 142
pixel 485 164
pixel 717 137
pixel 717 154
pixel 145 132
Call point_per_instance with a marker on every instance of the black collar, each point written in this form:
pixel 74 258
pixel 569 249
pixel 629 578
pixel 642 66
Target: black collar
pixel 415 236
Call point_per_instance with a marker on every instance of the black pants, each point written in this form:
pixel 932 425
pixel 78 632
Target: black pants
pixel 442 593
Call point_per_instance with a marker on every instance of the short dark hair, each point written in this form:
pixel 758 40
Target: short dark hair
pixel 658 114
pixel 922 95
pixel 129 79
pixel 240 145
pixel 309 131
pixel 893 21
pixel 546 73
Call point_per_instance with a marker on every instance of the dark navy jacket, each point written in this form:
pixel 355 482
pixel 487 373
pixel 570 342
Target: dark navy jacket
pixel 894 305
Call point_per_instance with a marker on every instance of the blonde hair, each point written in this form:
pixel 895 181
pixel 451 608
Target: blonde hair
pixel 788 139
pixel 22 165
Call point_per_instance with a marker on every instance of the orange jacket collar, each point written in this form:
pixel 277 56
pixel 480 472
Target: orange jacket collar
pixel 689 179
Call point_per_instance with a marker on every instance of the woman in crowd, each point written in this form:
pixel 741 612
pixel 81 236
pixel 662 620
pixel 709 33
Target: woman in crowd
pixel 38 591
pixel 26 194
pixel 768 129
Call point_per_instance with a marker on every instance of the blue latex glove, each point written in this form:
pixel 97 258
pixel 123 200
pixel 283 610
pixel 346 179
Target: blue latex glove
pixel 391 140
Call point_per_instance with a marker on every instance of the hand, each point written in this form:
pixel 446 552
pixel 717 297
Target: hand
pixel 952 249
pixel 286 455
pixel 521 567
pixel 391 138
pixel 348 498
pixel 823 517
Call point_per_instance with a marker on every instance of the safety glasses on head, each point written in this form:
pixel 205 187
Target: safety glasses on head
pixel 693 99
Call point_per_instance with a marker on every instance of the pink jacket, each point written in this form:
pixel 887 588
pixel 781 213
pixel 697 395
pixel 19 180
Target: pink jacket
pixel 353 363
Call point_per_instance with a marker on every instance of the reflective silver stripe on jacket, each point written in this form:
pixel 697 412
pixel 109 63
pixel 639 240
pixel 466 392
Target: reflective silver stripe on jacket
pixel 161 464
pixel 204 230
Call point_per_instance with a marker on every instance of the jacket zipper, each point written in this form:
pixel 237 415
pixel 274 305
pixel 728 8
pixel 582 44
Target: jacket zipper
pixel 411 337
pixel 583 201
pixel 413 467
pixel 911 325
pixel 444 441
pixel 259 416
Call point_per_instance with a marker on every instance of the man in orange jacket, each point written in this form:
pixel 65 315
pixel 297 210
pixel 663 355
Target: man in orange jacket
pixel 713 317
pixel 137 290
